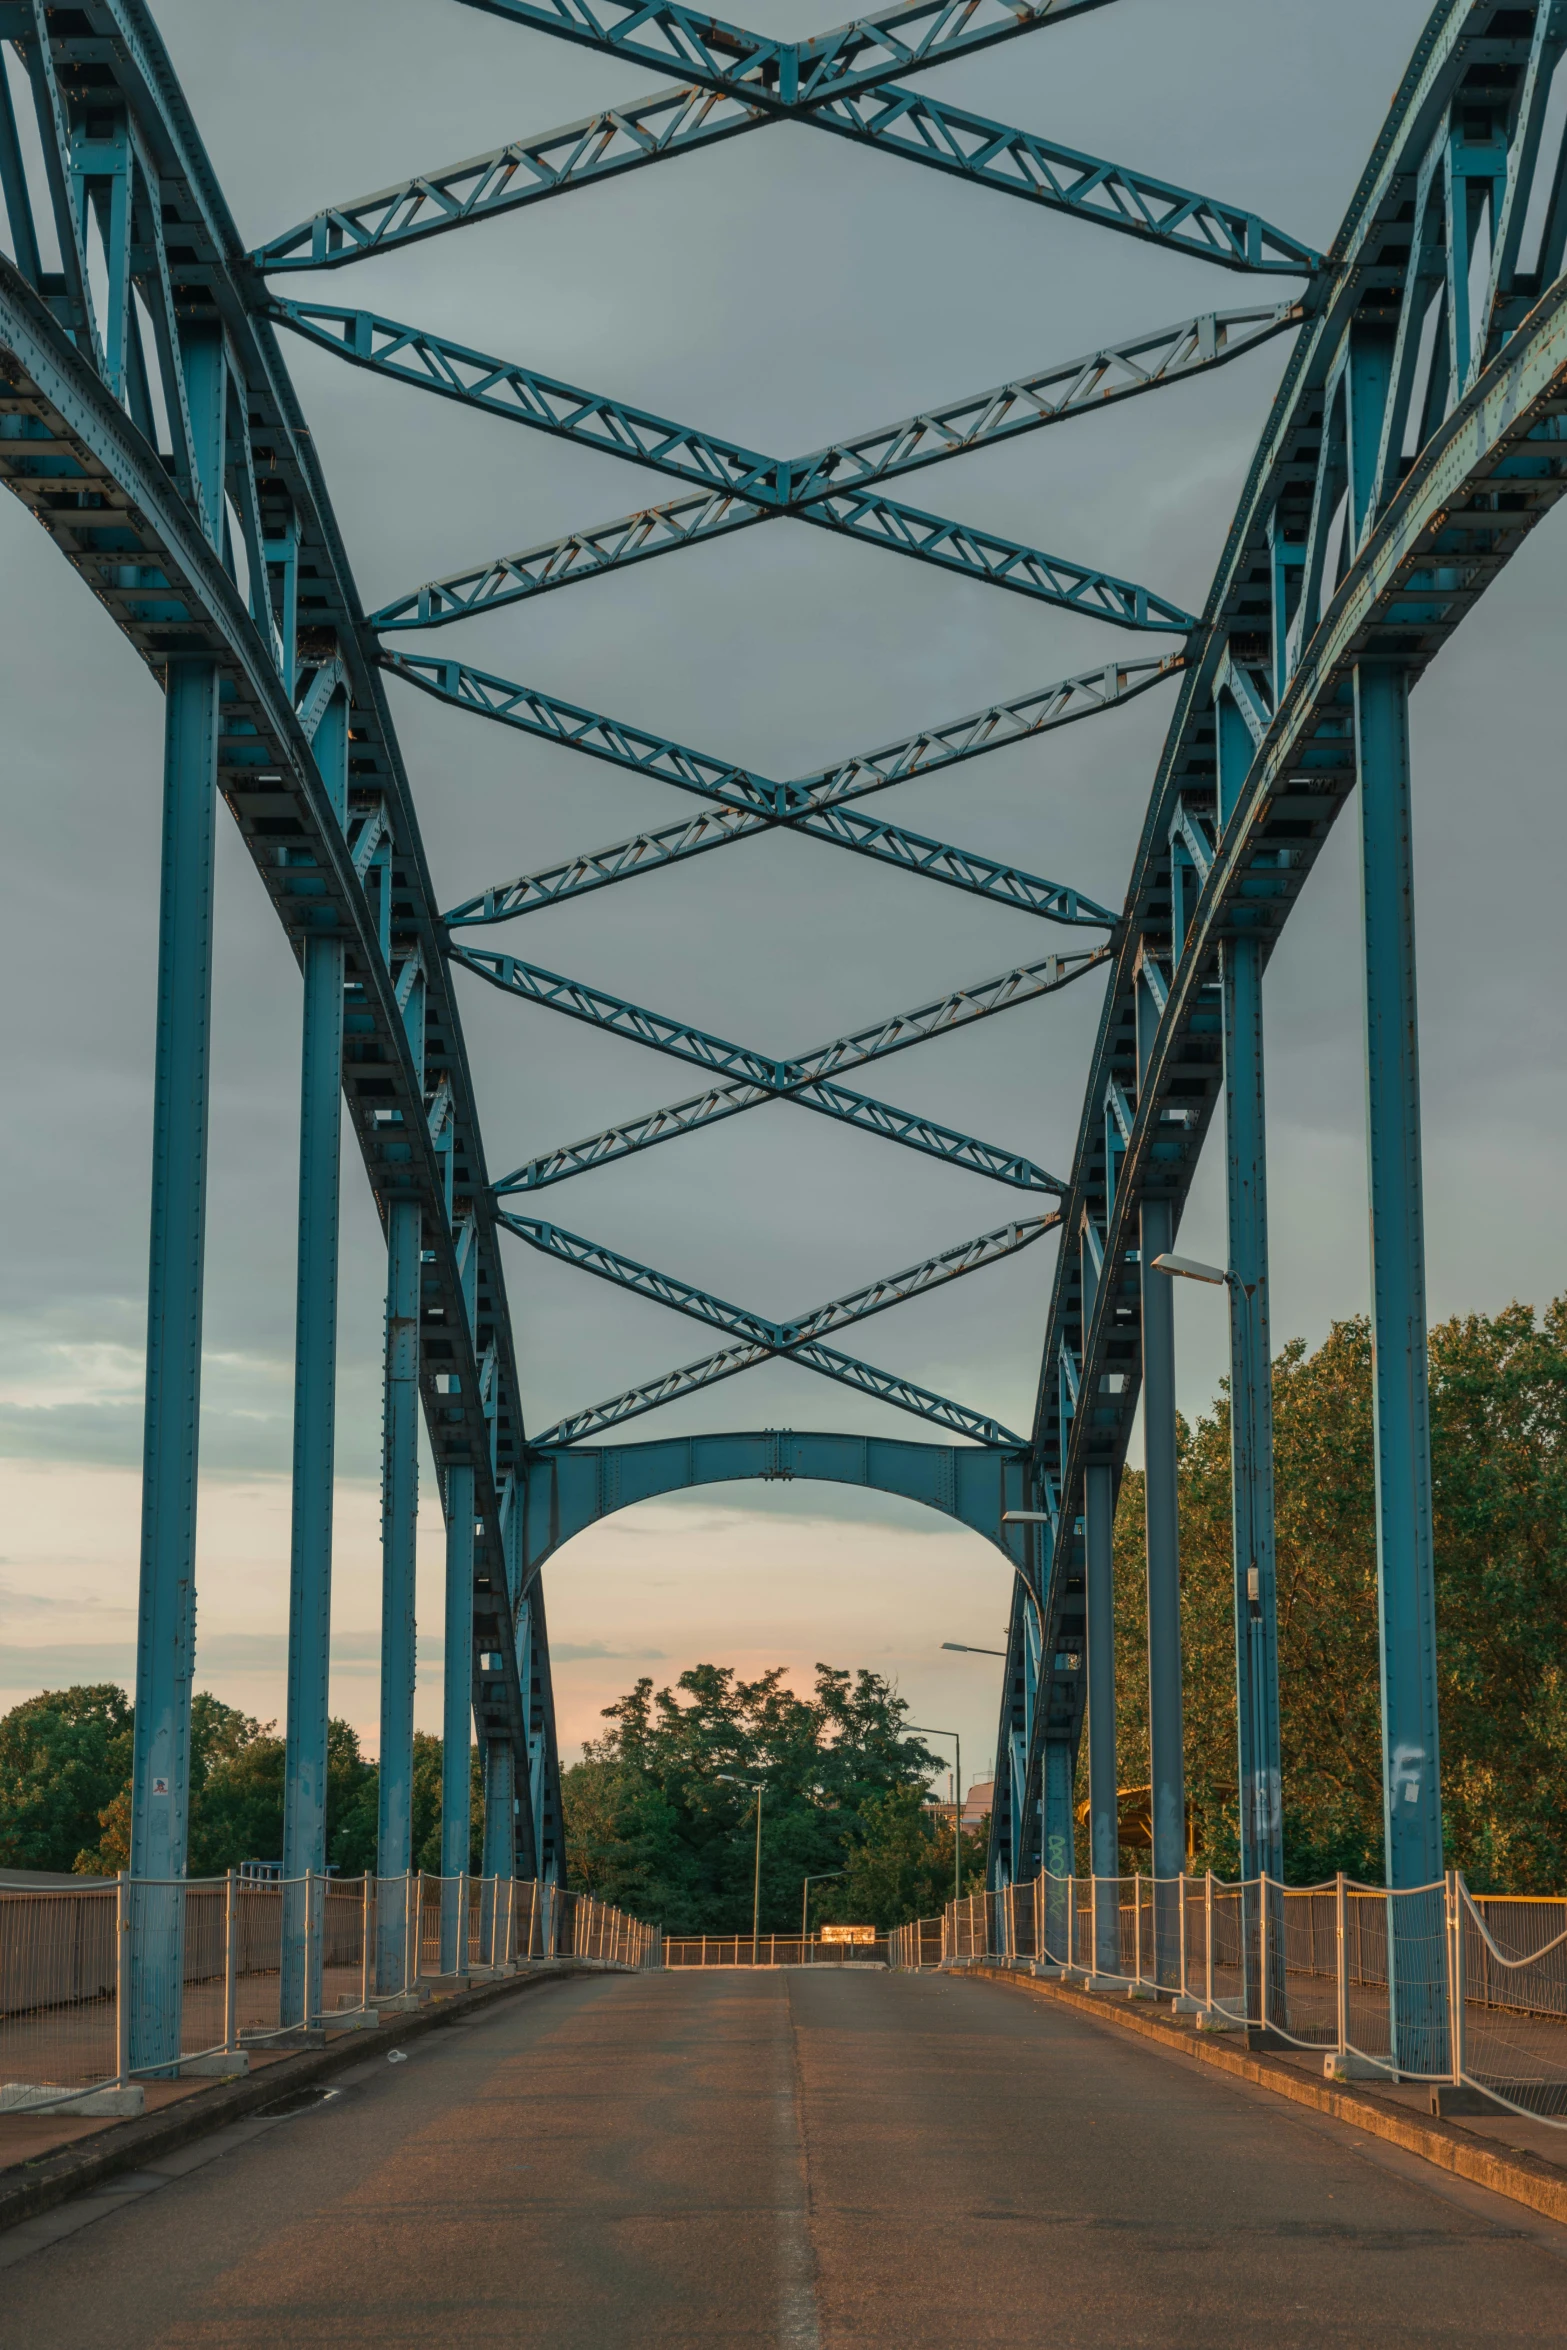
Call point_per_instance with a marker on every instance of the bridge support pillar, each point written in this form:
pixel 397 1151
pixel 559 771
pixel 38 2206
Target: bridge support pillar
pixel 457 1714
pixel 1259 1772
pixel 166 1624
pixel 1166 1746
pixel 396 1963
pixel 1103 1808
pixel 500 1844
pixel 1406 1580
pixel 315 1418
pixel 1058 1844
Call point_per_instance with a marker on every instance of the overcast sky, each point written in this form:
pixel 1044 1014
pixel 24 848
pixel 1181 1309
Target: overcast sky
pixel 783 289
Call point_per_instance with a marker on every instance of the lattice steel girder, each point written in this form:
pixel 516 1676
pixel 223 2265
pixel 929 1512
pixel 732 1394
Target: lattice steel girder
pixel 881 522
pixel 1307 759
pixel 911 852
pixel 678 120
pixel 886 1386
pixel 762 1078
pixel 994 729
pixel 1473 495
pixel 522 395
pixel 728 57
pixel 760 1338
pixel 73 457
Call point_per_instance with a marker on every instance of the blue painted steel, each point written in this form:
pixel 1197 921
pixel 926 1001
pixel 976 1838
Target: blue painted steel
pixel 759 1078
pixel 1104 1815
pixel 882 115
pixel 518 394
pixel 572 1486
pixel 911 852
pixel 760 1339
pixel 1406 1575
pixel 1260 1774
pixel 166 1628
pixel 1385 496
pixel 544 715
pixel 456 1713
pixel 315 1412
pixel 979 555
pixel 1166 1737
pixel 399 1528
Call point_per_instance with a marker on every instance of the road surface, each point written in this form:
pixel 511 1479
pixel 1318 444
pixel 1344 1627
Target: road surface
pixel 801 2160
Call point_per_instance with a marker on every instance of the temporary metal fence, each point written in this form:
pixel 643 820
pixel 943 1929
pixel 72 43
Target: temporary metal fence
pixel 1433 1984
pixel 108 1984
pixel 771 1950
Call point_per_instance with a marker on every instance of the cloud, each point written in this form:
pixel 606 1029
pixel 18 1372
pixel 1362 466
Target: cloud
pixel 576 1652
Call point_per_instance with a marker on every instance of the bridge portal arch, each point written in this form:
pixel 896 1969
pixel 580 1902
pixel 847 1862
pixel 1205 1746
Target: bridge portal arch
pixel 571 1487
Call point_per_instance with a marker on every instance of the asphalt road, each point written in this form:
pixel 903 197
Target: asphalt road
pixel 793 2159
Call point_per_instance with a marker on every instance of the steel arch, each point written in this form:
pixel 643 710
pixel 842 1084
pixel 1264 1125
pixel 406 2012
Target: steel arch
pixel 1396 474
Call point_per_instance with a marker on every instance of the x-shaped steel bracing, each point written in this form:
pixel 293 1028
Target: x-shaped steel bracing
pixel 757 1339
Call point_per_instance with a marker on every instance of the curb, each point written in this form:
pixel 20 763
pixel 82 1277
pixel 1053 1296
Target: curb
pixel 26 2189
pixel 1523 2178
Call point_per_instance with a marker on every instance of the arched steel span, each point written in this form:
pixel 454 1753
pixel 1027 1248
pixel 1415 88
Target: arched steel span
pixel 148 421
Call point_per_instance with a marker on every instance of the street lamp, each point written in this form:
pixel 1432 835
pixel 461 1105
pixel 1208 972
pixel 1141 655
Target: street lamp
pixel 962 1648
pixel 1188 1269
pixel 924 1730
pixel 758 1789
pixel 821 1878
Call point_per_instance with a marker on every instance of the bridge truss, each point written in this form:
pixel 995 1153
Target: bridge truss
pixel 148 421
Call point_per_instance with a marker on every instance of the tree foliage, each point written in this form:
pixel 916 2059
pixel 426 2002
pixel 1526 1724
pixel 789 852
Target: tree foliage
pixel 660 1812
pixel 1499 1479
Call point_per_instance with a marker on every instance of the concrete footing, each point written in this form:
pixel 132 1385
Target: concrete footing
pixel 221 2065
pixel 49 2097
pixel 402 2002
pixel 1343 2064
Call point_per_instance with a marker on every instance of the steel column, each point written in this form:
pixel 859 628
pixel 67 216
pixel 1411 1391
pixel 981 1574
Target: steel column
pixel 1059 1840
pixel 1103 1807
pixel 457 1711
pixel 1406 1579
pixel 500 1837
pixel 1251 1416
pixel 166 1627
pixel 399 1527
pixel 315 1412
pixel 1166 1747
pixel 166 1622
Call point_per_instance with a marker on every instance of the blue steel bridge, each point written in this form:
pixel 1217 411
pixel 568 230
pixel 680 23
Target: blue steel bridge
pixel 149 423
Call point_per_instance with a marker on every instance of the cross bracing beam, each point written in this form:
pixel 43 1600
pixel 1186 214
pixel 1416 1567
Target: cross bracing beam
pixel 523 395
pixel 885 1386
pixel 906 39
pixel 979 555
pixel 677 120
pixel 911 852
pixel 907 1127
pixel 759 1338
pixel 758 1077
pixel 996 728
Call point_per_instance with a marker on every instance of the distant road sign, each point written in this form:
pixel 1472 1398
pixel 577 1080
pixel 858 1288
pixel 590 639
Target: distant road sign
pixel 848 1933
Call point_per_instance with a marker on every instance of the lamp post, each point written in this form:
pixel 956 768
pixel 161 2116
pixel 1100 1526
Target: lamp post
pixel 821 1877
pixel 758 1789
pixel 924 1730
pixel 962 1648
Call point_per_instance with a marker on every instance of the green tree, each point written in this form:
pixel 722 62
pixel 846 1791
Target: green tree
pixel 1499 1474
pixel 903 1868
pixel 64 1755
pixel 660 1813
pixel 428 1764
